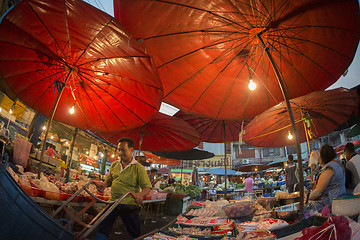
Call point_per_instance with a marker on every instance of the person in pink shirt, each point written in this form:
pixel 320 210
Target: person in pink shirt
pixel 249 183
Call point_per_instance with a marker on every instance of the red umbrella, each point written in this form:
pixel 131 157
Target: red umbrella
pixel 317 114
pixel 162 160
pixel 206 51
pixel 161 133
pixel 213 130
pixel 70 54
pixel 252 168
pixel 340 149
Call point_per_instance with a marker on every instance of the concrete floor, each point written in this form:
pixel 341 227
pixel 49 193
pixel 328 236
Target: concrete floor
pixel 119 231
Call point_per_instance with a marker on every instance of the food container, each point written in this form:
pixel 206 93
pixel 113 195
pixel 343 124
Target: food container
pixel 267 202
pixel 31 191
pixel 288 198
pixel 287 212
pixel 53 195
pixel 348 206
pixel 161 195
pixel 288 201
pixel 238 209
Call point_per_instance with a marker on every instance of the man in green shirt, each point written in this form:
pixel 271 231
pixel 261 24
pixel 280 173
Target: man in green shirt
pixel 126 175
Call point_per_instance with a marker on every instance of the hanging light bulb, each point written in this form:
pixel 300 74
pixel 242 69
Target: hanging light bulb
pixel 290 136
pixel 87 152
pixel 252 85
pixel 102 155
pixel 113 155
pixel 72 109
pixel 67 143
pixel 44 128
pixel 11 111
pixel 51 137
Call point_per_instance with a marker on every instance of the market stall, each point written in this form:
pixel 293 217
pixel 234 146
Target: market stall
pixel 252 219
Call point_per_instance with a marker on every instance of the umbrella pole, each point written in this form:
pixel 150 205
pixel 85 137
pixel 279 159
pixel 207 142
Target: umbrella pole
pixel 308 144
pixel 49 124
pixel 141 139
pixel 225 176
pixel 181 173
pixel 298 148
pixel 71 152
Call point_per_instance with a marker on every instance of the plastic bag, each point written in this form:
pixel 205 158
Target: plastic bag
pixel 314 159
pixel 336 227
pixel 357 190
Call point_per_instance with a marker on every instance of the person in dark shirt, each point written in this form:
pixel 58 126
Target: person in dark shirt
pixel 290 177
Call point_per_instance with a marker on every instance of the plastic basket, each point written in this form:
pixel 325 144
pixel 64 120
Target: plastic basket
pixel 22 218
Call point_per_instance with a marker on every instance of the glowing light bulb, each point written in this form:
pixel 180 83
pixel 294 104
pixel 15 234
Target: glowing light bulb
pixel 67 143
pixel 102 155
pixel 113 155
pixel 255 169
pixel 11 111
pixel 52 137
pixel 290 136
pixel 87 152
pixel 252 85
pixel 72 109
pixel 44 128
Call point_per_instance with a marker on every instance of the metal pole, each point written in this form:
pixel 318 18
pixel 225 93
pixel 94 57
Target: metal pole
pixel 225 176
pixel 71 152
pixel 49 123
pixel 141 140
pixel 181 174
pixel 284 92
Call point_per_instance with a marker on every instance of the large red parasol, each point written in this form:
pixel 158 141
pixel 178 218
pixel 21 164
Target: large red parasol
pixel 213 130
pixel 252 168
pixel 316 114
pixel 206 51
pixel 161 133
pixel 162 160
pixel 70 52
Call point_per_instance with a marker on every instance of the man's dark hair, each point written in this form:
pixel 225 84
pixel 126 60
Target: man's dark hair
pixel 153 170
pixel 128 140
pixel 349 147
pixel 327 153
pixel 291 158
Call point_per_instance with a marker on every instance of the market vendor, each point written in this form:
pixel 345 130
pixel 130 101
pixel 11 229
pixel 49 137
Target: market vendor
pixel 126 175
pixel 330 182
pixel 153 177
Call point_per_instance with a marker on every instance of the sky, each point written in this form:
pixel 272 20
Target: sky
pixel 351 79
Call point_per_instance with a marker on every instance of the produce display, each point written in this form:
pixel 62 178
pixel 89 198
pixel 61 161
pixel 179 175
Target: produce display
pixel 286 195
pixel 191 190
pixel 258 235
pixel 202 212
pixel 191 230
pixel 50 187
